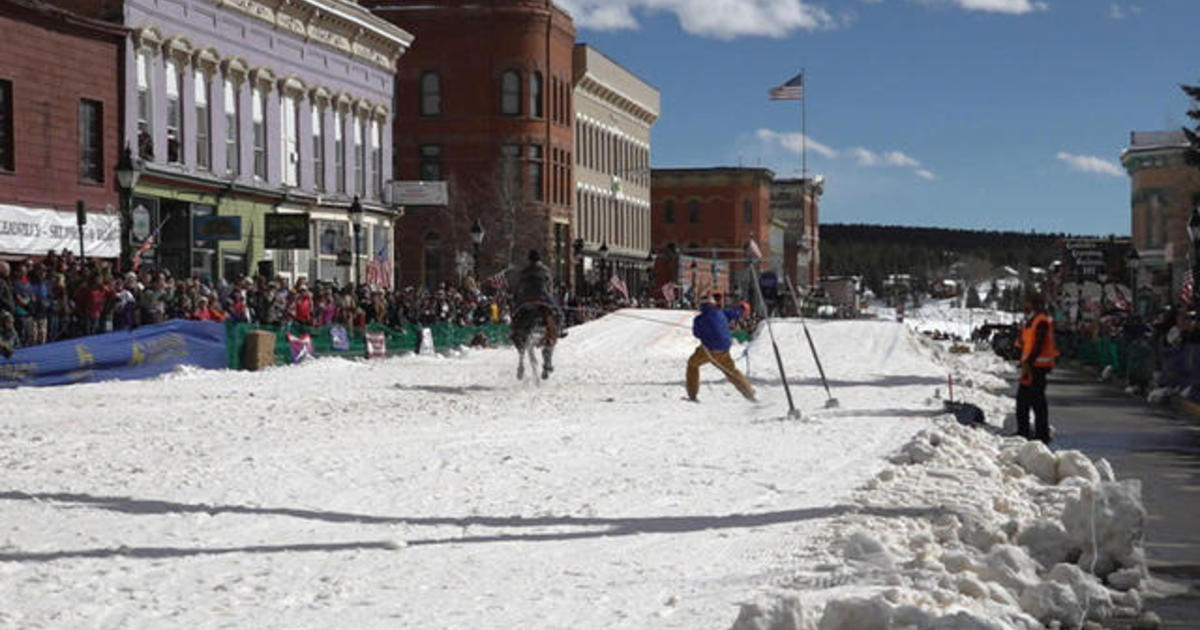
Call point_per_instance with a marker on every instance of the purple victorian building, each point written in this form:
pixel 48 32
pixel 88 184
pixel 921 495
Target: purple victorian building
pixel 243 110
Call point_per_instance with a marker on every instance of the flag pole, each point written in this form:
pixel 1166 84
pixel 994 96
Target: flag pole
pixel 804 130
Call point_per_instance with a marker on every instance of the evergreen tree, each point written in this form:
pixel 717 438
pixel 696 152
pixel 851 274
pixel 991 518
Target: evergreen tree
pixel 1193 135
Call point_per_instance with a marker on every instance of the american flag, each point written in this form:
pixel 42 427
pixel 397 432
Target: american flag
pixel 1185 291
pixel 618 285
pixel 136 261
pixel 668 291
pixel 752 251
pixel 792 90
pixel 1120 301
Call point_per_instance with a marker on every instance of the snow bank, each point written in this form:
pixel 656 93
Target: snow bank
pixel 966 529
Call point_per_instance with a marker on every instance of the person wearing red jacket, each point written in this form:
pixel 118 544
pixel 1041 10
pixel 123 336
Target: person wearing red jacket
pixel 302 306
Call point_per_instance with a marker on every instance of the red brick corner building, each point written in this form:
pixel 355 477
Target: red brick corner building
pixel 484 104
pixel 60 109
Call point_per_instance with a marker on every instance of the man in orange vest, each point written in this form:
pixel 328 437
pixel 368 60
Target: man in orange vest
pixel 1038 353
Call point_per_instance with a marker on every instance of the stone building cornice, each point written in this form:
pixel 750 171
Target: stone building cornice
pixel 338 24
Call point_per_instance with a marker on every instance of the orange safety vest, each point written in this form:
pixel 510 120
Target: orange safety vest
pixel 1028 335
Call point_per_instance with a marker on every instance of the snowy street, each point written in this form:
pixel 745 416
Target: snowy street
pixel 441 492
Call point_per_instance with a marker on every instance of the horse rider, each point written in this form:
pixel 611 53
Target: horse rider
pixel 533 288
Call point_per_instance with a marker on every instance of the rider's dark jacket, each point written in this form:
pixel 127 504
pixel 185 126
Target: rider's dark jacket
pixel 533 284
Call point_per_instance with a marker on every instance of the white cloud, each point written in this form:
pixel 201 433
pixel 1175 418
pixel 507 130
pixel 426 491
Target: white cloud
pixel 794 142
pixel 722 19
pixel 1118 12
pixel 1011 7
pixel 1091 164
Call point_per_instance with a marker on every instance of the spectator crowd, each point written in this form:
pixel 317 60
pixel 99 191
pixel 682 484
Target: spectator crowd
pixel 61 296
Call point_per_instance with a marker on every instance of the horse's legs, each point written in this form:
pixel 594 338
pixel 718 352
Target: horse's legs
pixel 547 365
pixel 521 365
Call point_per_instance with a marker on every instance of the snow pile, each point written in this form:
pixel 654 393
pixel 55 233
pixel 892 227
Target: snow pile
pixel 967 529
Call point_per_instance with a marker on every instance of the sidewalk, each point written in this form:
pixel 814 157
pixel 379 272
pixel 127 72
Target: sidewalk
pixel 1159 446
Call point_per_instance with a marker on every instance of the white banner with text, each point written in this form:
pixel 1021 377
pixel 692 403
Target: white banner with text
pixel 34 232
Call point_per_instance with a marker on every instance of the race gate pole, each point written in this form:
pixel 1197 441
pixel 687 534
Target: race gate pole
pixel 792 411
pixel 830 400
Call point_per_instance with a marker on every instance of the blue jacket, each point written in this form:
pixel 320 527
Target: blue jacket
pixel 711 326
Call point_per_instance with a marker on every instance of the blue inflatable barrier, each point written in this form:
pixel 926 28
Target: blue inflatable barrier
pixel 127 355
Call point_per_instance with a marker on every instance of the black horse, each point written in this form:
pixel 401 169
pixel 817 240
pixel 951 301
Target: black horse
pixel 534 326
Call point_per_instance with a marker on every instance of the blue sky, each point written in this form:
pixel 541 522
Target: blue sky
pixel 992 114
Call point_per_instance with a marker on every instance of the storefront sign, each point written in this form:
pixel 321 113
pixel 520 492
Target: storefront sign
pixel 33 231
pixel 286 231
pixel 141 222
pixel 216 228
pixel 416 193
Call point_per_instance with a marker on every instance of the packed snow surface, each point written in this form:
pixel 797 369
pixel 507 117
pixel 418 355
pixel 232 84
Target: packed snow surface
pixel 440 492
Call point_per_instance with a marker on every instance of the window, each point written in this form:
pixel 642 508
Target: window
pixel 145 112
pixel 259 107
pixel 233 133
pixel 669 211
pixel 693 211
pixel 6 126
pixel 289 139
pixel 174 114
pixel 377 158
pixel 318 127
pixel 510 167
pixel 431 94
pixel 203 135
pixel 91 145
pixel 510 93
pixel 339 151
pixel 360 157
pixel 431 162
pixel 536 171
pixel 747 212
pixel 535 95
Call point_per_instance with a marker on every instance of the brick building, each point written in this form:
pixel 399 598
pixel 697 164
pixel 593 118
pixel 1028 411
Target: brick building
pixel 485 104
pixel 1164 190
pixel 710 214
pixel 244 109
pixel 59 129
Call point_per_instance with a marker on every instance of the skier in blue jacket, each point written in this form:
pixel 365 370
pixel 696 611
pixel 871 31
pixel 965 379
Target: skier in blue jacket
pixel 711 327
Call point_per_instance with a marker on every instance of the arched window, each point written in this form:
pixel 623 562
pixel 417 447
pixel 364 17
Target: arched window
pixel 669 211
pixel 510 93
pixel 535 95
pixel 693 211
pixel 431 94
pixel 747 211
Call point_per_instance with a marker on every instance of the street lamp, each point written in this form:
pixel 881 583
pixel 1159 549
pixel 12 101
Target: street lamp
pixel 128 172
pixel 477 233
pixel 603 261
pixel 695 295
pixel 651 256
pixel 1133 260
pixel 577 250
pixel 356 220
pixel 1193 228
pixel 1102 278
